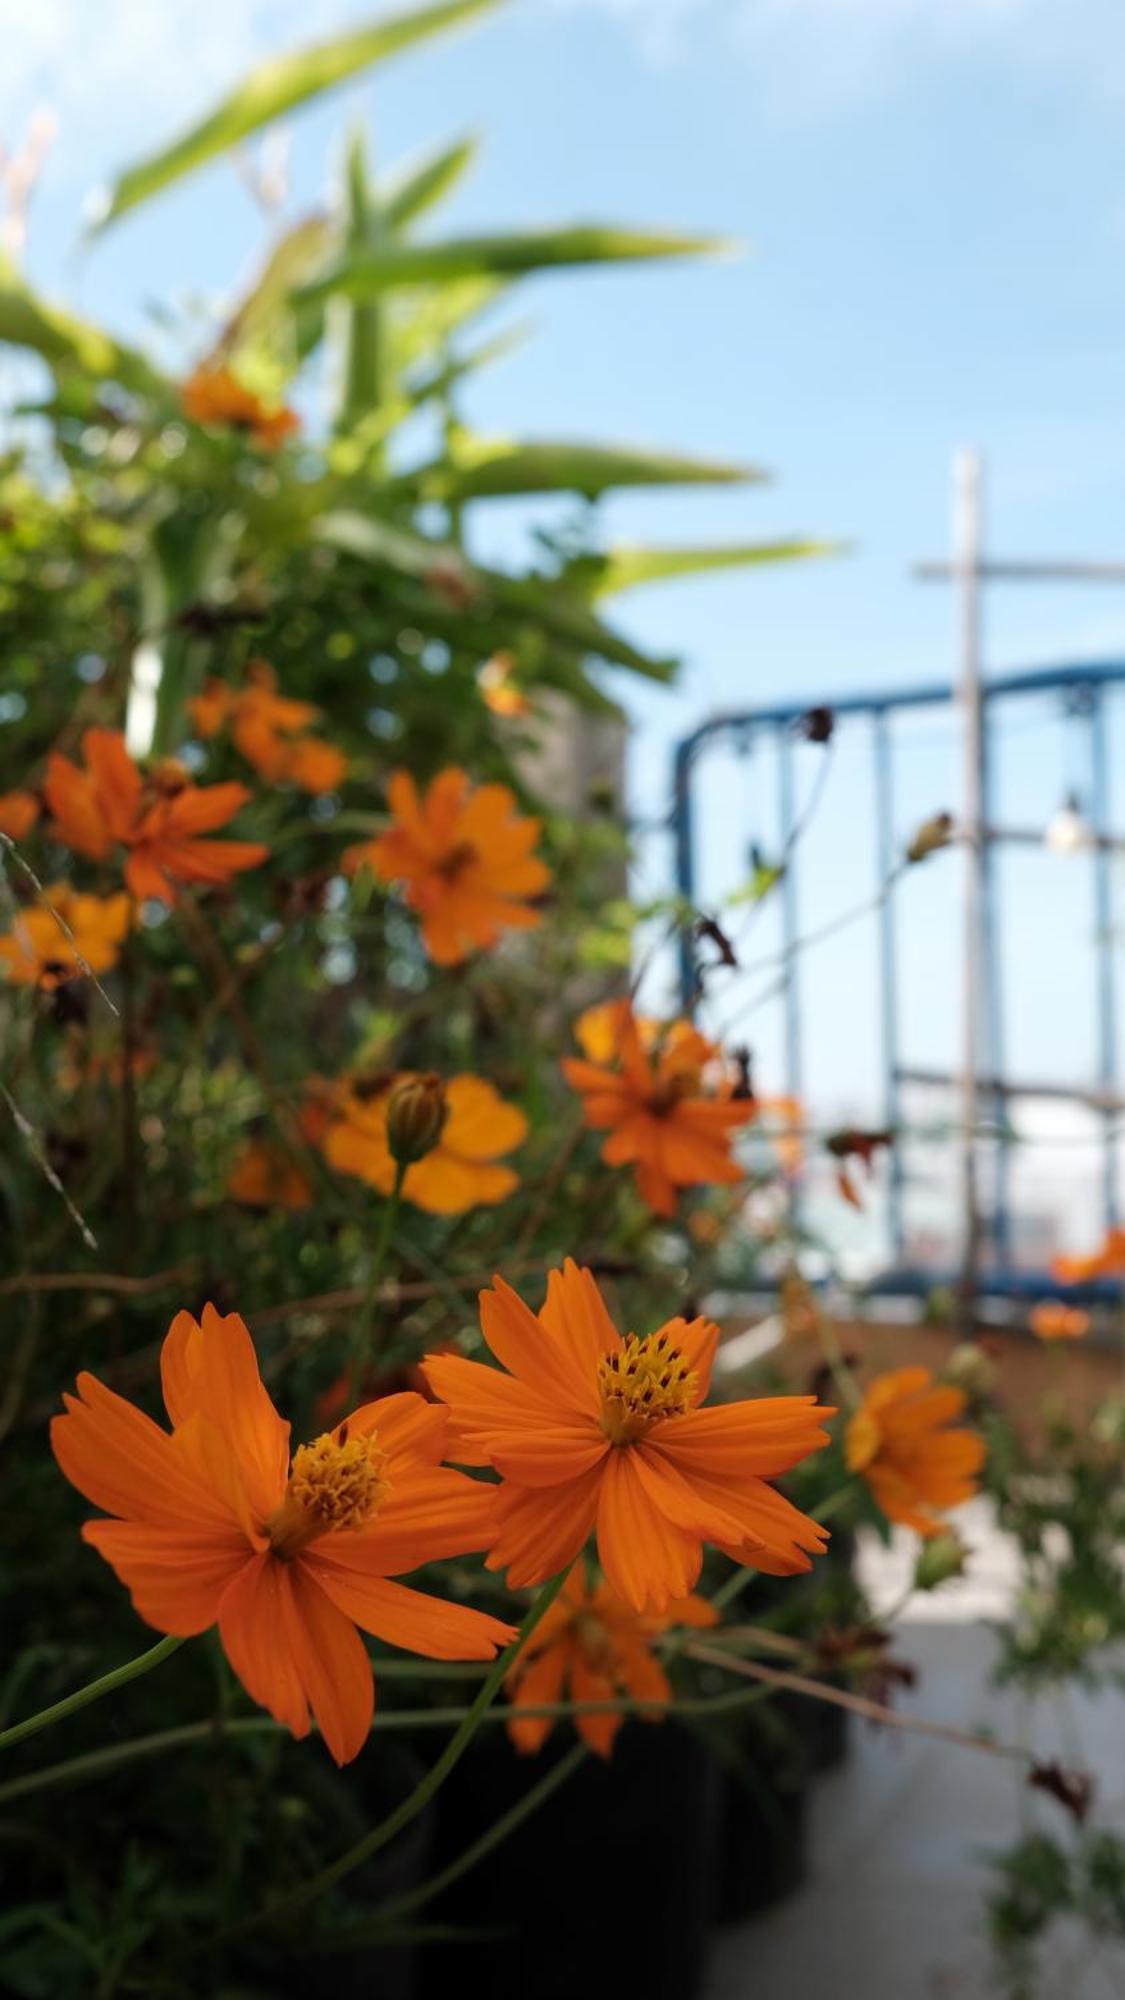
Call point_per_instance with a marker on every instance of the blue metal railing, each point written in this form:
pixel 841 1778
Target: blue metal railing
pixel 1081 689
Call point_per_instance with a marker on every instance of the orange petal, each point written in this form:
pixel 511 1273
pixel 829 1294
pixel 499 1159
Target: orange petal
pixel 332 1661
pixel 408 1618
pixel 542 1529
pixel 528 1349
pixel 647 1558
pixel 176 1581
pixel 539 1683
pixel 764 1437
pixel 254 1630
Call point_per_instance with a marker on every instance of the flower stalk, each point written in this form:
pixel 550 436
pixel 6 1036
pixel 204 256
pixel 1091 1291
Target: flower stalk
pixel 93 1691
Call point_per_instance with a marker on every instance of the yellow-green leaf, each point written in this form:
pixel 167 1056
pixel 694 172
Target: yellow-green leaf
pixel 279 86
pixel 511 255
pixel 490 468
pixel 625 566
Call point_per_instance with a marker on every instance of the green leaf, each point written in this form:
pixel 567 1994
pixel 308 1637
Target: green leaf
pixel 625 566
pixel 766 876
pixel 65 342
pixel 537 601
pixel 278 86
pixel 511 255
pixel 487 468
pixel 264 308
pixel 416 189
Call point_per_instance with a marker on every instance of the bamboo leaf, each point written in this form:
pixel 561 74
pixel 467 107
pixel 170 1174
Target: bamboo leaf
pixel 489 468
pixel 65 342
pixel 534 601
pixel 419 187
pixel 266 302
pixel 279 86
pixel 514 254
pixel 626 566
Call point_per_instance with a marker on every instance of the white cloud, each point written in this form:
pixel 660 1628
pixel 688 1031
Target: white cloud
pixel 808 52
pixel 125 75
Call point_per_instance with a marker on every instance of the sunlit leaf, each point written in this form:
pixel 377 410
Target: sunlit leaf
pixel 419 187
pixel 65 342
pixel 625 566
pixel 276 87
pixel 484 468
pixel 266 302
pixel 511 255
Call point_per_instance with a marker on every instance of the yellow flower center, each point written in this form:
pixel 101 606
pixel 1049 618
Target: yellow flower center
pixel 642 1382
pixel 334 1482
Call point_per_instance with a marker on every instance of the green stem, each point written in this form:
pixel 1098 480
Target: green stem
pixel 423 1792
pixel 93 1692
pixel 363 1345
pixel 496 1834
pixel 188 1735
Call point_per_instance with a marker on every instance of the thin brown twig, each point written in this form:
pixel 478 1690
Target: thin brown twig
pixel 96 1281
pixel 856 1704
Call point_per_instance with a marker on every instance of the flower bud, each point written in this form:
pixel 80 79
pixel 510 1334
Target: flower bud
pixel 416 1113
pixel 970 1368
pixel 940 1558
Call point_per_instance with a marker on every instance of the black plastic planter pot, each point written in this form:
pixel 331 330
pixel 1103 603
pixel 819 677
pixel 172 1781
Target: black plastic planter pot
pixel 607 1889
pixel 764 1810
pixel 347 1804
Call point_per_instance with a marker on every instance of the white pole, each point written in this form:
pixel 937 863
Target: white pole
pixel 968 484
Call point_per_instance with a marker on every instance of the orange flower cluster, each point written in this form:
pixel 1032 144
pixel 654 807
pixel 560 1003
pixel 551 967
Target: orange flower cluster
pixel 1055 1320
pixel 63 936
pixel 270 731
pixel 591 1431
pixel 903 1442
pixel 464 857
pixel 590 1646
pixel 213 1523
pixel 1108 1261
pixel 18 813
pixel 461 1170
pixel 647 1085
pixel 158 820
pixel 215 396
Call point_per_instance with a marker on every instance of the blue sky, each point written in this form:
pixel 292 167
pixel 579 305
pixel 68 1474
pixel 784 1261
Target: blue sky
pixel 932 193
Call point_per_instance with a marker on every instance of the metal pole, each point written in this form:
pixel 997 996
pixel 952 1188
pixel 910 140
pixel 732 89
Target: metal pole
pixel 1104 946
pixel 967 536
pixel 789 916
pixel 888 977
pixel 684 833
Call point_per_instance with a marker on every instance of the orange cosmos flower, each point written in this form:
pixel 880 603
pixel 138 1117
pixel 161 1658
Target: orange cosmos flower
pixel 592 1646
pixel 216 396
pixel 64 935
pixel 215 1525
pixel 1106 1262
pixel 464 856
pixel 264 1176
pixel 590 1430
pixel 901 1440
pixel 158 820
pixel 646 1085
pixel 18 813
pixel 461 1170
pixel 269 730
pixel 1055 1320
